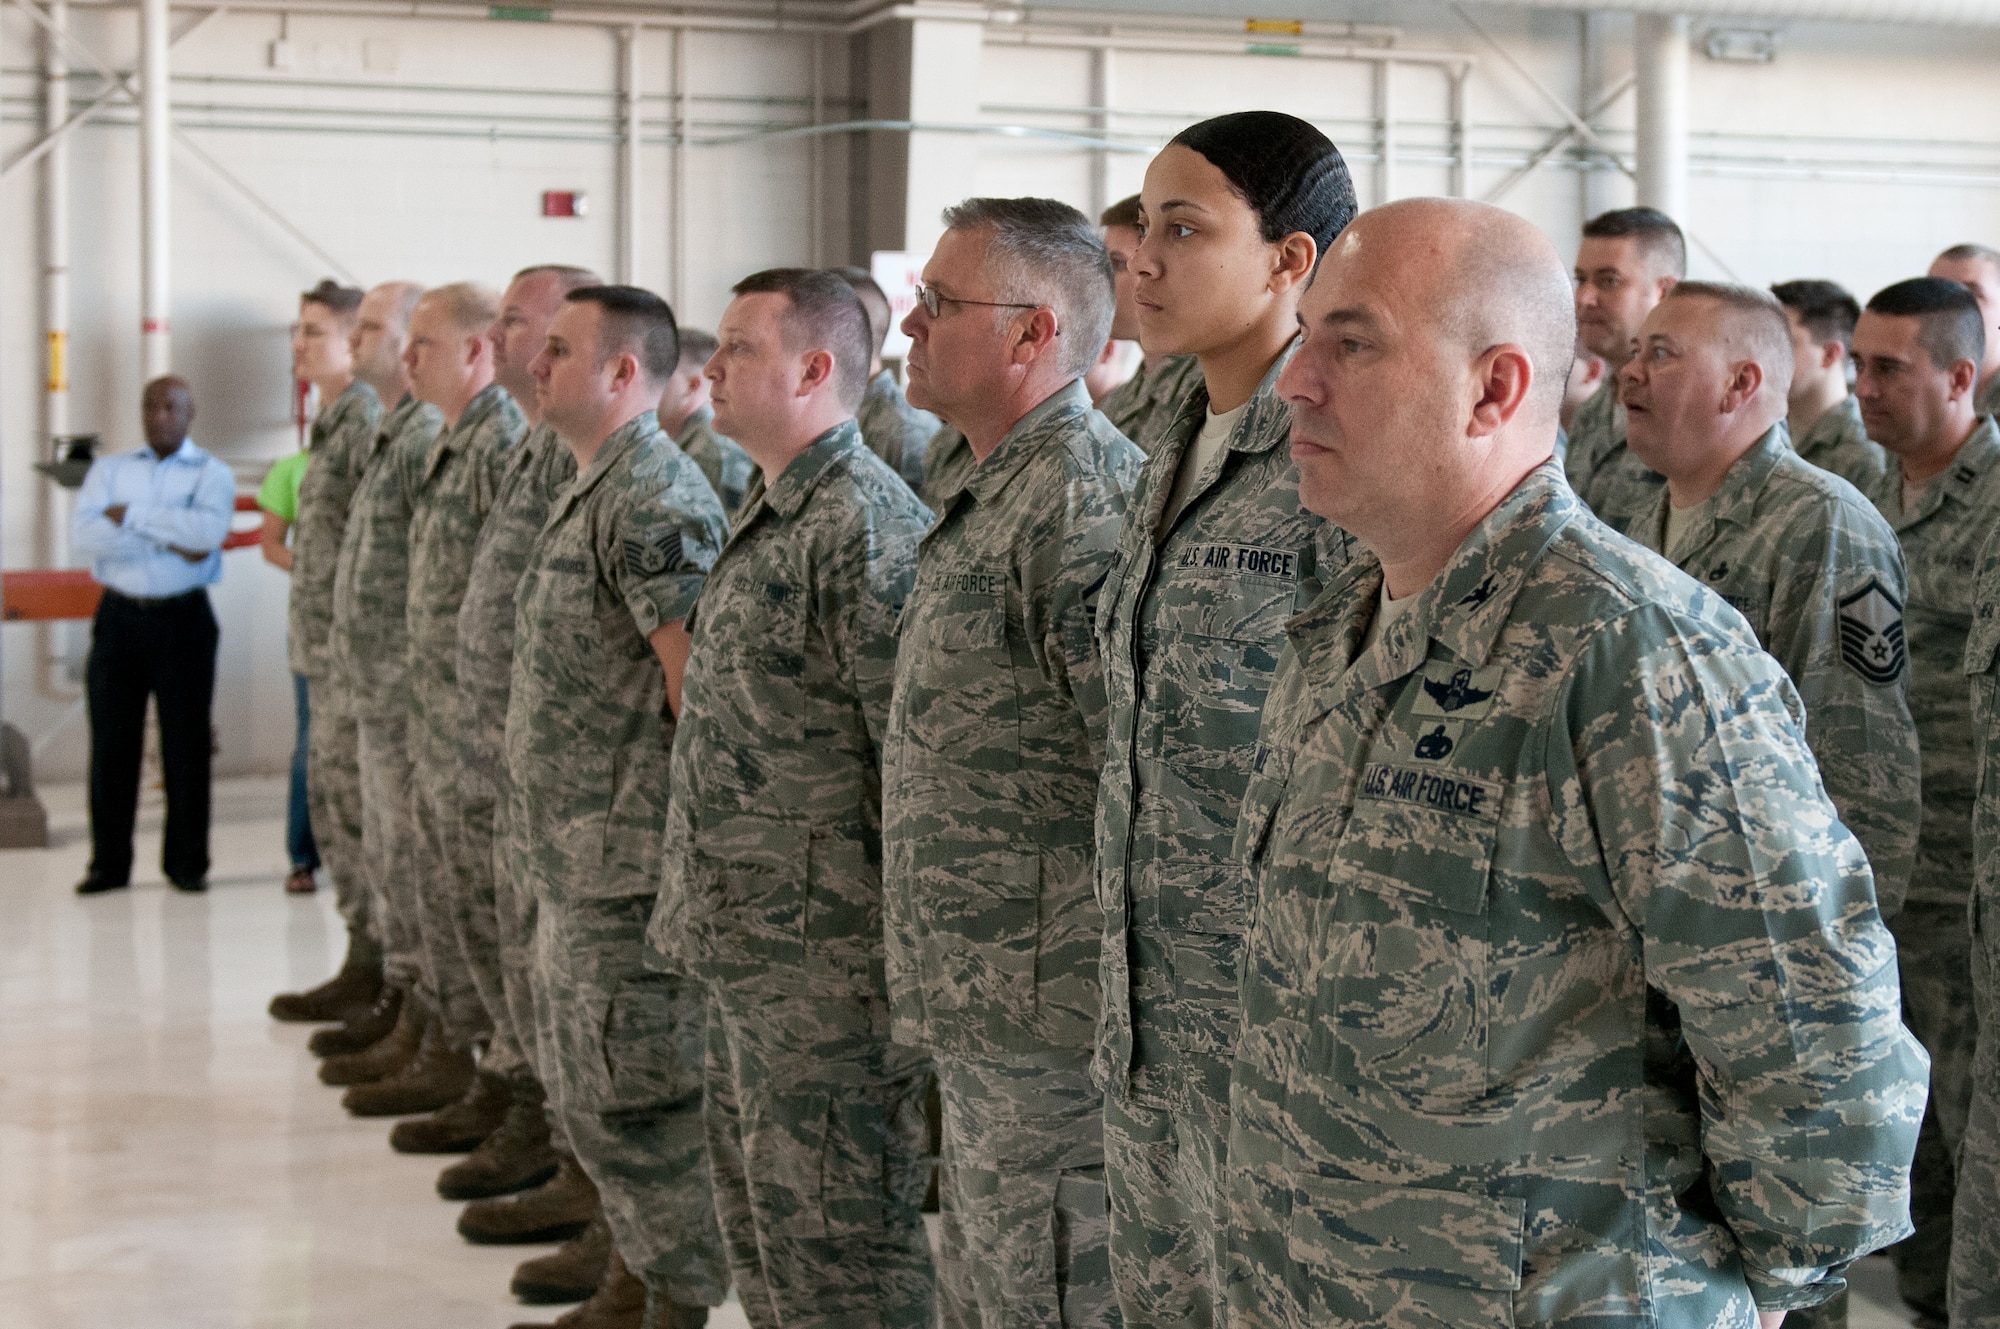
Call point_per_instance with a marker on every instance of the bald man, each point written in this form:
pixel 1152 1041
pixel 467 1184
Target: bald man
pixel 1531 1036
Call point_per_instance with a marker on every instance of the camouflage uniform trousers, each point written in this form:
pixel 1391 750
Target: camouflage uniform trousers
pixel 1169 1239
pixel 1934 949
pixel 481 920
pixel 391 850
pixel 1025 1229
pixel 816 1138
pixel 333 800
pixel 1975 1253
pixel 624 1047
pixel 441 888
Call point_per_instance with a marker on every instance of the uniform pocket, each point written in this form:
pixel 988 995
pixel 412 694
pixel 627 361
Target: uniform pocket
pixel 980 922
pixel 1398 1255
pixel 653 1041
pixel 1408 1007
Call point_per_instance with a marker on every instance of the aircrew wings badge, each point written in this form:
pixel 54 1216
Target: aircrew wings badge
pixel 1871 633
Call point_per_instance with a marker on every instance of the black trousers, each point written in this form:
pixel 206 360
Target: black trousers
pixel 163 649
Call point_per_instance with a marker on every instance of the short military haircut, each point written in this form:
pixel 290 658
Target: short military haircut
pixel 823 312
pixel 697 348
pixel 1659 238
pixel 1969 253
pixel 1125 212
pixel 874 302
pixel 470 306
pixel 1753 324
pixel 570 277
pixel 330 295
pixel 1043 252
pixel 1950 328
pixel 634 320
pixel 1289 173
pixel 1825 309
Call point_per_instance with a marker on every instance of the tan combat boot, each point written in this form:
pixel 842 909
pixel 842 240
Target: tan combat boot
pixel 436 1077
pixel 570 1273
pixel 362 1031
pixel 459 1127
pixel 557 1210
pixel 618 1303
pixel 348 993
pixel 383 1058
pixel 512 1158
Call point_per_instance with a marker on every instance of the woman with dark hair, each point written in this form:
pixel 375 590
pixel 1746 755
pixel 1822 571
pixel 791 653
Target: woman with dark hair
pixel 1215 556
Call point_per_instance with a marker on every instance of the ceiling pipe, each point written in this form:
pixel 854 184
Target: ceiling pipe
pixel 1937 13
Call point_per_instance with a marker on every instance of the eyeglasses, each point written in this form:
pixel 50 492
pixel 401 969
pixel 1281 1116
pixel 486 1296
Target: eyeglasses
pixel 934 302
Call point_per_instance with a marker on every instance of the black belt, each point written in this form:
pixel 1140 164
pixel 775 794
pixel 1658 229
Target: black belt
pixel 156 601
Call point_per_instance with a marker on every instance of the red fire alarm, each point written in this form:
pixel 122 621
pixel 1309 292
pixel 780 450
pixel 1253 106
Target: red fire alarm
pixel 565 203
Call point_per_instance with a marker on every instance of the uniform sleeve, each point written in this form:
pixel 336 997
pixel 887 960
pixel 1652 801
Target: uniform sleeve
pixel 200 524
pixel 863 584
pixel 1840 599
pixel 1682 786
pixel 657 553
pixel 1066 561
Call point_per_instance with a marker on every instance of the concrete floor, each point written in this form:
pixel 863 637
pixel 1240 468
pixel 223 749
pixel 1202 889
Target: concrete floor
pixel 167 1158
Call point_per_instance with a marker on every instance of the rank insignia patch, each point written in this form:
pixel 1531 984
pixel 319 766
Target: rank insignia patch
pixel 1871 634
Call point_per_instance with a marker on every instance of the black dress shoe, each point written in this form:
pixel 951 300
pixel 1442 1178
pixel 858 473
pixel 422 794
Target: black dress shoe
pixel 99 885
pixel 192 885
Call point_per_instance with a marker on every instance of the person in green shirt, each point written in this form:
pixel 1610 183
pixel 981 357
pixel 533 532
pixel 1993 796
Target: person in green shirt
pixel 279 499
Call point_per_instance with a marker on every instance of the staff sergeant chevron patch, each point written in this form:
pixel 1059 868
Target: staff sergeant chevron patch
pixel 1871 634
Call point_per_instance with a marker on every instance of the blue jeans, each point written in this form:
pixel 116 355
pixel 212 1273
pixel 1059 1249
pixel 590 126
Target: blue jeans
pixel 298 824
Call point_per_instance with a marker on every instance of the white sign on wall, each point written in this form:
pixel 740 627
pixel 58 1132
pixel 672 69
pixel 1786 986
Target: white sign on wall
pixel 897 273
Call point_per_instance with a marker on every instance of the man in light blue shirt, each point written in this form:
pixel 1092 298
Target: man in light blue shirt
pixel 153 521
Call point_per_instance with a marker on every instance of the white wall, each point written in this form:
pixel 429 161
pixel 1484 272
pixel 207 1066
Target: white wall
pixel 419 149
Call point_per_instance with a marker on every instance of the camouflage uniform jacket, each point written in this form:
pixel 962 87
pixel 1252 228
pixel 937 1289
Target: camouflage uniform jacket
pixel 722 460
pixel 1838 442
pixel 894 430
pixel 947 462
pixel 535 473
pixel 1531 1035
pixel 371 640
pixel 461 474
pixel 1942 540
pixel 1987 402
pixel 1144 405
pixel 996 737
pixel 1193 618
pixel 588 730
pixel 1606 473
pixel 773 876
pixel 1809 562
pixel 342 436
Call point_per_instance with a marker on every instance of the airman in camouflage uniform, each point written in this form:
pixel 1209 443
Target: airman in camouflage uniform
pixel 1941 537
pixel 342 434
pixel 1975 1253
pixel 1810 563
pixel 460 476
pixel 588 737
pixel 1483 905
pixel 1838 442
pixel 371 653
pixel 996 737
pixel 773 894
pixel 894 430
pixel 723 462
pixel 498 917
pixel 1192 617
pixel 1144 405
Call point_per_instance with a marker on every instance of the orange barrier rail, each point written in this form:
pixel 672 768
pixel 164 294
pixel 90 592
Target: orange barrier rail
pixel 47 595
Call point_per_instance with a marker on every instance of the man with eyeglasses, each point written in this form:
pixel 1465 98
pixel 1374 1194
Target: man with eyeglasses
pixel 1628 260
pixel 995 739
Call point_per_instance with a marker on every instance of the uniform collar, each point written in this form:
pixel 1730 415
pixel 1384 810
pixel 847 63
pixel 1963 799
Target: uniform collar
pixel 1959 481
pixel 1028 436
pixel 1267 421
pixel 449 440
pixel 1463 609
pixel 623 442
pixel 1834 424
pixel 788 494
pixel 1734 502
pixel 697 419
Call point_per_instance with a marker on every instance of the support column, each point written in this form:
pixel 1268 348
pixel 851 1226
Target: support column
pixel 156 183
pixel 925 71
pixel 55 225
pixel 1385 131
pixel 628 156
pixel 1660 60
